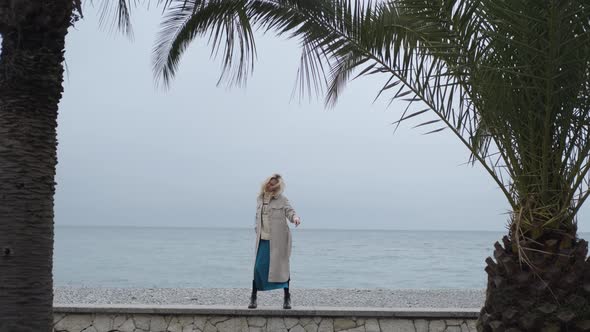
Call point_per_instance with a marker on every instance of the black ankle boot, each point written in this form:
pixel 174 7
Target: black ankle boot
pixel 287 301
pixel 253 303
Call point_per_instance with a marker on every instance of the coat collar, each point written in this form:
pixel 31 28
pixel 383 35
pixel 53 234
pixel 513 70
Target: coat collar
pixel 272 197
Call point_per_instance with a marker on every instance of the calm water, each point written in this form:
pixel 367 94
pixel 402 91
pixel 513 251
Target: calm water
pixel 223 258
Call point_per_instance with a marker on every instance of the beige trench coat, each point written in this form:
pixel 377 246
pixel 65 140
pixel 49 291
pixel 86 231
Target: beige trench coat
pixel 280 236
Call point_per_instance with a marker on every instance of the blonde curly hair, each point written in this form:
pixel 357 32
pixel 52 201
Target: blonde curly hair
pixel 280 185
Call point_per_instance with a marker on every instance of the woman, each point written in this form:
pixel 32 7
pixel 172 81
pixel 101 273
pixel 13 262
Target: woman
pixel 273 240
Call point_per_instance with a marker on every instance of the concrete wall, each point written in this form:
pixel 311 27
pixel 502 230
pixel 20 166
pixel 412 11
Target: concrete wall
pixel 230 319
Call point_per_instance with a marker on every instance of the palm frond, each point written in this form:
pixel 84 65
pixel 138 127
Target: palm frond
pixel 224 22
pixel 510 79
pixel 116 14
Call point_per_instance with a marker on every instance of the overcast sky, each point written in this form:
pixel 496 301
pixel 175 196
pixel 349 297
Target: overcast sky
pixel 195 155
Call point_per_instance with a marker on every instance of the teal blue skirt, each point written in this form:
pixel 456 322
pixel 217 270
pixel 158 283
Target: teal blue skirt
pixel 261 268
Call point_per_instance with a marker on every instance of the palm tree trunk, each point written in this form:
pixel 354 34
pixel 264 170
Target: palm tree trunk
pixel 551 297
pixel 31 75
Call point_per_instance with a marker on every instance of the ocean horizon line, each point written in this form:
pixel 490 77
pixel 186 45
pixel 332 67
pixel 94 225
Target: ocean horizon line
pixel 305 229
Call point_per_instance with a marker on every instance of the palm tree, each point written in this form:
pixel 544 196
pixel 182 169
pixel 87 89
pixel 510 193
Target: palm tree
pixel 510 80
pixel 31 76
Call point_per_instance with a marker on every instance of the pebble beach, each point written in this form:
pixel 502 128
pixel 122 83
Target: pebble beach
pixel 378 298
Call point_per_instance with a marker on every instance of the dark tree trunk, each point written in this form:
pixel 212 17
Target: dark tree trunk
pixel 552 297
pixel 31 75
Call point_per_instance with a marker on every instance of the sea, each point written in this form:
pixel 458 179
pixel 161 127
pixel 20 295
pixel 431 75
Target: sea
pixel 148 257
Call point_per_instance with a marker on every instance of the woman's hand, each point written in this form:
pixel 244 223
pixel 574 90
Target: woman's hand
pixel 296 221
